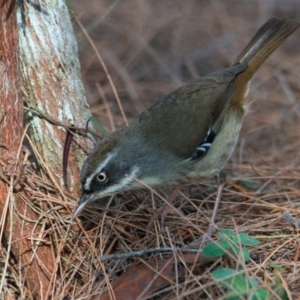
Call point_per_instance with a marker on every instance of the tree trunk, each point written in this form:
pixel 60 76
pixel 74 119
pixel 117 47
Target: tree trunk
pixel 50 81
pixel 41 61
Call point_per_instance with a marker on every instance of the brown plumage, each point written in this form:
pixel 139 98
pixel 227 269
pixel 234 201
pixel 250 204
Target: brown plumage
pixel 186 136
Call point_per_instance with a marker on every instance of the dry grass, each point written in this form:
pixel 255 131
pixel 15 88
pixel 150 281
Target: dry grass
pixel 150 48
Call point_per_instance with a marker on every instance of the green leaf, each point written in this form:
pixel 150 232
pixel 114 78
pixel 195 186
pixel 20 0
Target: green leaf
pixel 234 283
pixel 241 253
pixel 280 291
pixel 225 233
pixel 216 249
pixel 236 250
pixel 253 282
pixel 245 254
pixel 245 239
pixel 228 297
pixel 225 276
pixel 259 294
pixel 239 284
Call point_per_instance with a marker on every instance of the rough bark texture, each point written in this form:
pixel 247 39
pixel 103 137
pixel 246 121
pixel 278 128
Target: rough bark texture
pixel 11 110
pixel 41 61
pixel 10 105
pixel 51 87
pixel 50 73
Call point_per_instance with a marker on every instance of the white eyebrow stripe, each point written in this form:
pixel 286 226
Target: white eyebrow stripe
pixel 100 167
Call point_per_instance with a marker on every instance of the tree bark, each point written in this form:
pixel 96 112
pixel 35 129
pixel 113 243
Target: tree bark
pixel 41 61
pixel 11 124
pixel 50 80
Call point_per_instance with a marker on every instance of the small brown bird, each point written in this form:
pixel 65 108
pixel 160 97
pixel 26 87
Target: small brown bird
pixel 188 135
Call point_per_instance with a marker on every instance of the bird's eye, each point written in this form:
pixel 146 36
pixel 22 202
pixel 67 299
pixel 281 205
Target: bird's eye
pixel 102 177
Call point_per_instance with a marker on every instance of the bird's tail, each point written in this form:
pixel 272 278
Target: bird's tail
pixel 267 39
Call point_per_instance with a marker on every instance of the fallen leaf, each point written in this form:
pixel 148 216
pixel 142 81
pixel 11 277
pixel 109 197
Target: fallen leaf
pixel 145 279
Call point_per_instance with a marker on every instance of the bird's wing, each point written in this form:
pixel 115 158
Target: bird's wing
pixel 183 120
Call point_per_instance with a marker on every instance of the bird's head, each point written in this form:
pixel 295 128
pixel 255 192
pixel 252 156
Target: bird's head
pixel 106 171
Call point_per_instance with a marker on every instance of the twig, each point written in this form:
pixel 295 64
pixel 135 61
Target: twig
pixel 148 251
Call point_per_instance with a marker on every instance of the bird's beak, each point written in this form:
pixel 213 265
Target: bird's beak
pixel 84 200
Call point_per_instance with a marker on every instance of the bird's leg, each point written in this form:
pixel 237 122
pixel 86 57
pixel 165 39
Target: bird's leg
pixel 165 209
pixel 221 178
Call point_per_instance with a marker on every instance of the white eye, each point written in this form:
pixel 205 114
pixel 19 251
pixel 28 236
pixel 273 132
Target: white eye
pixel 102 177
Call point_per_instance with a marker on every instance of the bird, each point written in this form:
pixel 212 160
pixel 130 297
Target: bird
pixel 188 135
